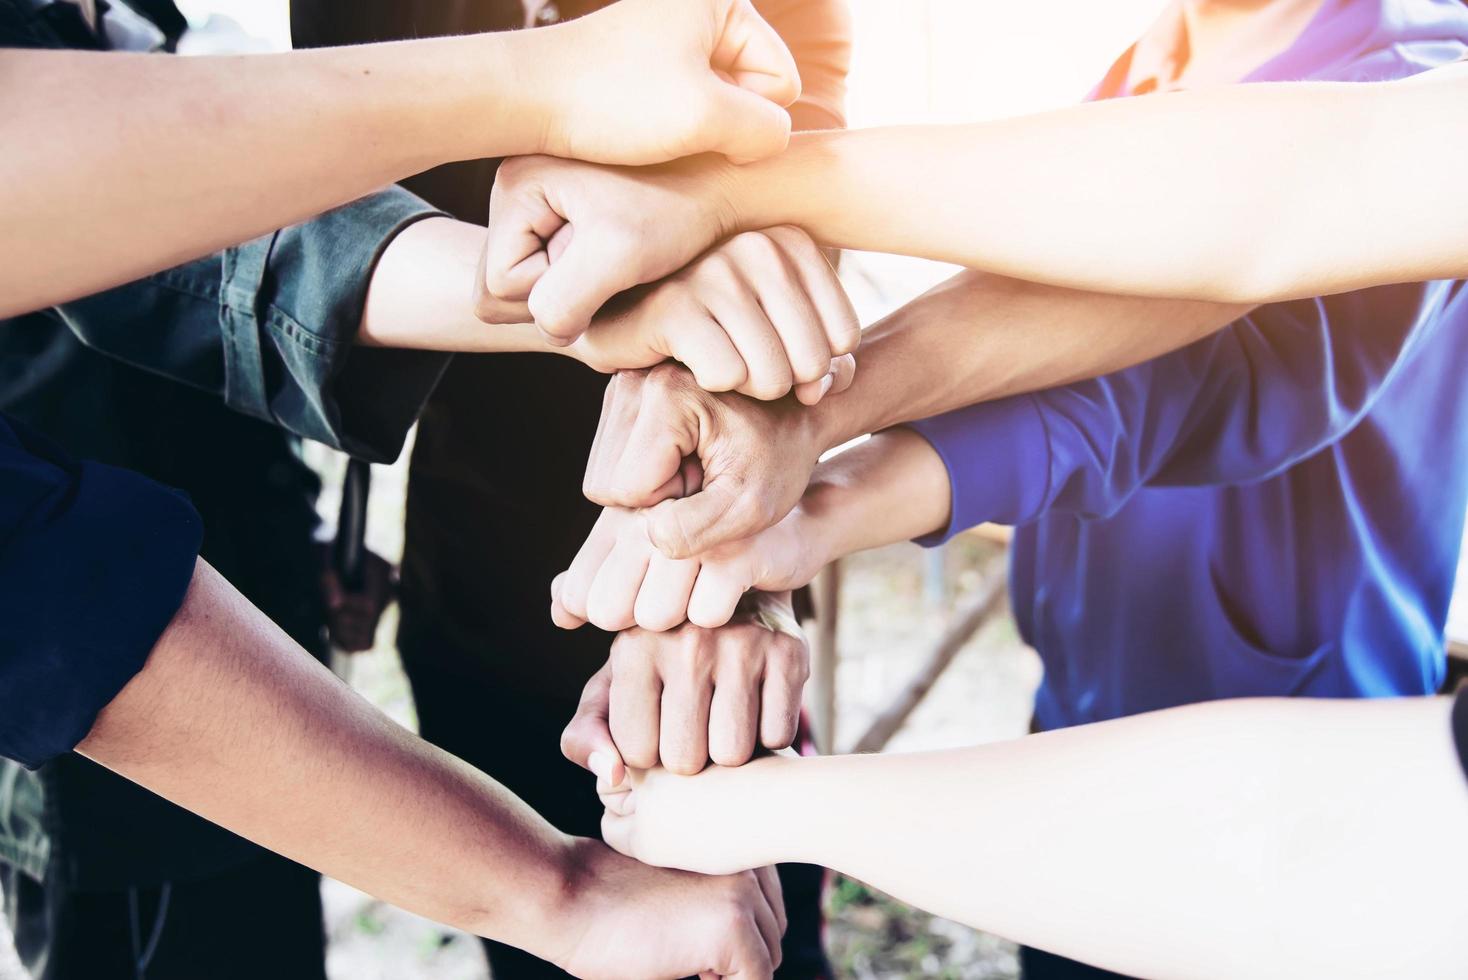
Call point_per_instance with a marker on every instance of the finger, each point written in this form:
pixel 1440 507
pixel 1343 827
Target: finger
pixel 699 343
pixel 796 319
pixel 612 600
pixel 593 267
pixel 749 956
pixel 635 701
pixel 769 926
pixel 575 582
pixel 560 615
pixel 769 883
pixel 715 595
pixel 587 738
pixel 662 602
pixel 658 440
pixel 838 379
pixel 745 322
pixel 744 126
pixel 787 666
pixel 687 688
pixel 619 407
pixel 692 525
pixel 752 54
pixel 734 708
pixel 521 221
pixel 822 286
pixel 616 830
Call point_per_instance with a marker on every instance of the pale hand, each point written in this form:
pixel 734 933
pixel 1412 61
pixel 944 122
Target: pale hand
pixel 619 580
pixel 760 314
pixel 693 823
pixel 646 81
pixel 566 236
pixel 690 696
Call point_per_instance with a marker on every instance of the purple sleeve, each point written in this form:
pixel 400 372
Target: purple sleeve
pixel 998 462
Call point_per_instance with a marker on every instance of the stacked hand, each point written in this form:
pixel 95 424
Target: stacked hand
pixel 628 920
pixel 753 459
pixel 619 580
pixel 683 697
pixel 568 236
pixel 644 81
pixel 760 314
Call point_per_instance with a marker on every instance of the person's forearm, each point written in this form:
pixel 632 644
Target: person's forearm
pixel 421 295
pixel 231 720
pixel 979 337
pixel 893 487
pixel 1249 838
pixel 230 148
pixel 1237 193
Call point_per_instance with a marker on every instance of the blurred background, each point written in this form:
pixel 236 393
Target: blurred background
pixel 916 61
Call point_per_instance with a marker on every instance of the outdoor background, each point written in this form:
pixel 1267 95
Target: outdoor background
pixel 917 61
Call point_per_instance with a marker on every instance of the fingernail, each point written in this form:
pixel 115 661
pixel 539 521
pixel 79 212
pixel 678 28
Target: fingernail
pixel 826 384
pixel 600 764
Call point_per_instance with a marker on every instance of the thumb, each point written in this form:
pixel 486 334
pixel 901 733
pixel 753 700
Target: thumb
pixel 837 380
pixel 587 739
pixel 752 55
pixel 692 525
pixel 745 126
pixel 589 270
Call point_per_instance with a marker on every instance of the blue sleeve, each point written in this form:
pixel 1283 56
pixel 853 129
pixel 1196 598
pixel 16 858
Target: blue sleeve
pixel 270 326
pixel 94 563
pixel 1241 405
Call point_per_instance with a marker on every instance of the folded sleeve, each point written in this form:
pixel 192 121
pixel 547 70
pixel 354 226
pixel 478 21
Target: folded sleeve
pixel 1244 404
pixel 94 563
pixel 270 326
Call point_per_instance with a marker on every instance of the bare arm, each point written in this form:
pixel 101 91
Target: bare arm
pixel 119 165
pixel 1262 838
pixel 975 338
pixel 231 720
pixel 1236 194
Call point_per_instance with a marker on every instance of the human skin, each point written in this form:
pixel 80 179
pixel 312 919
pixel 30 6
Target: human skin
pixel 971 339
pixel 892 487
pixel 762 313
pixel 688 696
pixel 1006 197
pixel 1261 838
pixel 98 191
pixel 230 719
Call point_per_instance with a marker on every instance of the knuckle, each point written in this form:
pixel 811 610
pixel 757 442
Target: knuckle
pixel 810 366
pixel 730 755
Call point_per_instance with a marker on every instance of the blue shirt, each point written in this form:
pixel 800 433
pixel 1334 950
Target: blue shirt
pixel 1274 510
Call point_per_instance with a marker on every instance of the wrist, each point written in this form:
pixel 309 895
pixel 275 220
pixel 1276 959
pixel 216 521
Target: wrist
pixel 576 897
pixel 818 521
pixel 494 95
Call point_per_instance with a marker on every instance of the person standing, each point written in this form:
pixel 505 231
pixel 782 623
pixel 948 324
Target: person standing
pixel 493 679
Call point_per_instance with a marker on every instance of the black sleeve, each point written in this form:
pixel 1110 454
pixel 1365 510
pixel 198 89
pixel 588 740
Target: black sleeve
pixel 94 563
pixel 1460 727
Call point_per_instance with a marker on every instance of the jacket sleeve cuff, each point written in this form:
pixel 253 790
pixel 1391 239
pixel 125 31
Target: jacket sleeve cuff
pixel 91 575
pixel 293 302
pixel 998 462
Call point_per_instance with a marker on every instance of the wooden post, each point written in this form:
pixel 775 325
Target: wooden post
pixel 826 593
